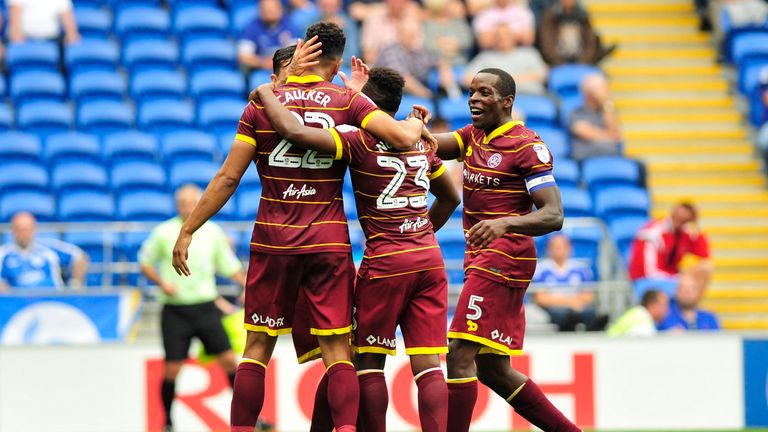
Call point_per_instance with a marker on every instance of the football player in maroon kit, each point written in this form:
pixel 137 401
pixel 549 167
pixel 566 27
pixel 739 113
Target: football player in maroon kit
pixel 402 279
pixel 507 170
pixel 300 243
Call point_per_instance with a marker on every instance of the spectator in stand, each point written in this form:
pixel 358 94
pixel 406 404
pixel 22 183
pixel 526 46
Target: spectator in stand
pixel 380 27
pixel 28 262
pixel 303 14
pixel 331 11
pixel 41 20
pixel 514 13
pixel 641 320
pixel 263 36
pixel 524 63
pixel 566 35
pixel 407 57
pixel 684 312
pixel 594 126
pixel 562 294
pixel 446 32
pixel 762 134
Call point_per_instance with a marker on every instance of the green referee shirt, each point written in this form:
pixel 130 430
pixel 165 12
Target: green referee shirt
pixel 209 252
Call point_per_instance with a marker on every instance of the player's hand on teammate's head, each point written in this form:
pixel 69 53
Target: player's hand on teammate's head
pixel 305 56
pixel 181 254
pixel 360 75
pixel 484 232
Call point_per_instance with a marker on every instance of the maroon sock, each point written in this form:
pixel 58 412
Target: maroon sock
pixel 533 406
pixel 343 395
pixel 247 396
pixel 321 413
pixel 461 402
pixel 374 399
pixel 433 400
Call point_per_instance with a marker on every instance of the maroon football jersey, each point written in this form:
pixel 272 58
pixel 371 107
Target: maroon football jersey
pixel 501 170
pixel 391 197
pixel 301 209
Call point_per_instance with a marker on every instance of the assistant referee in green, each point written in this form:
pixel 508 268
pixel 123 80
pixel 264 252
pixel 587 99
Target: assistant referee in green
pixel 192 305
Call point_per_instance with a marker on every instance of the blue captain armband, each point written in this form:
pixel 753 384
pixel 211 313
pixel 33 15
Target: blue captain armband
pixel 540 181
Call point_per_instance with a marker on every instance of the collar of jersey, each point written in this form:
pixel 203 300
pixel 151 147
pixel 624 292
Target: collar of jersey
pixel 306 79
pixel 500 130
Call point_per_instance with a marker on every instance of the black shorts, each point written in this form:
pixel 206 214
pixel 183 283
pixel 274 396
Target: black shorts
pixel 180 324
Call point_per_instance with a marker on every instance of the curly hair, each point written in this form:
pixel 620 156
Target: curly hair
pixel 332 38
pixel 282 57
pixel 385 88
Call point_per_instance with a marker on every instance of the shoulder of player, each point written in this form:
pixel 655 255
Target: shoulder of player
pixel 517 138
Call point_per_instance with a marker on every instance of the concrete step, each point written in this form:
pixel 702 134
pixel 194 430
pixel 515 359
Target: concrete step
pixel 600 8
pixel 685 134
pixel 736 308
pixel 718 168
pixel 720 214
pixel 703 180
pixel 640 149
pixel 740 276
pixel 668 95
pixel 736 230
pixel 691 85
pixel 738 294
pixel 742 263
pixel 672 71
pixel 737 286
pixel 657 39
pixel 708 116
pixel 669 102
pixel 696 159
pixel 618 21
pixel 745 323
pixel 742 195
pixel 658 62
pixel 757 252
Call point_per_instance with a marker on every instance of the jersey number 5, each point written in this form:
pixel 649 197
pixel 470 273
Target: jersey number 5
pixel 311 160
pixel 387 199
pixel 474 307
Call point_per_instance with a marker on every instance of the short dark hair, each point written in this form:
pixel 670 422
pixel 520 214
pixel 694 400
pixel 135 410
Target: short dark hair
pixel 650 297
pixel 690 207
pixel 385 88
pixel 331 36
pixel 505 85
pixel 280 56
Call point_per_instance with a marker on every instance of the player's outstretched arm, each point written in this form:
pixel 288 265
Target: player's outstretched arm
pixel 443 189
pixel 400 135
pixel 447 145
pixel 288 126
pixel 219 190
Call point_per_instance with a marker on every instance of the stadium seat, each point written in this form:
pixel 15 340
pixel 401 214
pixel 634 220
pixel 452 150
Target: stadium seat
pixel 158 84
pixel 37 85
pixel 93 23
pixel 250 179
pixel 103 117
pixel 86 206
pixel 225 143
pixel 455 111
pixel 91 54
pixel 133 175
pixel 618 202
pixel 756 108
pixel 130 145
pixel 40 204
pixel 165 115
pixel 181 4
pixel 92 85
pixel 74 176
pixel 145 206
pixel 200 21
pixel 452 242
pixel 227 213
pixel 72 146
pixel 220 115
pixel 248 204
pixel 539 110
pixel 567 173
pixel 203 54
pixel 565 80
pixel 407 103
pixel 19 147
pixel 99 245
pixel 23 176
pixel 195 172
pixel 751 45
pixel 130 243
pixel 241 15
pixel 212 84
pixel 602 172
pixel 6 117
pixel 623 231
pixel 39 55
pixel 749 75
pixel 45 117
pixel 576 202
pixel 556 140
pixel 188 145
pixel 585 241
pixel 259 77
pixel 142 22
pixel 150 54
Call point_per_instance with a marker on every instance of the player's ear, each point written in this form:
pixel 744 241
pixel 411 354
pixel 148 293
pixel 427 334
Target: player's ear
pixel 508 101
pixel 273 78
pixel 337 67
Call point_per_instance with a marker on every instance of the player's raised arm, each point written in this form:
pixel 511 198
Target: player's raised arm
pixel 444 190
pixel 400 135
pixel 448 145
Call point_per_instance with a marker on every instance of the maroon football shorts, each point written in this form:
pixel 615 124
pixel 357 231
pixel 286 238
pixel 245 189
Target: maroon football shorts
pixel 490 313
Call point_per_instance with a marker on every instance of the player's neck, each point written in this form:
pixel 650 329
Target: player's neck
pixel 504 120
pixel 325 73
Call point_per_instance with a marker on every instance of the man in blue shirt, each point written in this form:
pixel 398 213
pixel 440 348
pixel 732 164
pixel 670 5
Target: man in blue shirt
pixel 684 313
pixel 30 263
pixel 268 32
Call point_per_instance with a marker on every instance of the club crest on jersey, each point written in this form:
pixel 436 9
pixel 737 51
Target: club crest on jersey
pixel 494 160
pixel 542 153
pixel 293 192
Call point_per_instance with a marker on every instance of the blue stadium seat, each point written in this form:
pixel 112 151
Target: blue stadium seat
pixel 86 206
pixel 103 117
pixel 623 231
pixel 40 204
pixel 92 85
pixel 565 80
pixel 188 145
pixel 407 103
pixel 93 22
pixel 618 202
pixel 181 4
pixel 225 143
pixel 556 140
pixel 19 147
pixel 220 115
pixel 576 202
pixel 243 244
pixel 32 55
pixel 74 176
pixel 749 46
pixel 539 110
pixel 567 173
pixel 133 175
pixel 23 176
pixel 200 21
pixel 350 209
pixel 99 245
pixel 259 77
pixel 165 115
pixel 250 179
pixel 45 117
pixel 195 172
pixel 607 171
pixel 130 145
pixel 37 85
pixel 455 111
pixel 749 75
pixel 585 241
pixel 150 54
pixel 216 83
pixel 142 22
pixel 130 243
pixel 92 3
pixel 129 4
pixel 756 108
pixel 92 54
pixel 209 54
pixel 241 15
pixel 6 117
pixel 72 146
pixel 452 243
pixel 3 87
pixel 145 206
pixel 248 204
pixel 228 212
pixel 158 84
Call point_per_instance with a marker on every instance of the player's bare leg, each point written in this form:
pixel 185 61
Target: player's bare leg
pixel 433 392
pixel 462 383
pixel 521 392
pixel 248 391
pixel 343 389
pixel 171 370
pixel 228 362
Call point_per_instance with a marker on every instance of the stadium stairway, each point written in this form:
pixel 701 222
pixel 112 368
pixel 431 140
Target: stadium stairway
pixel 679 116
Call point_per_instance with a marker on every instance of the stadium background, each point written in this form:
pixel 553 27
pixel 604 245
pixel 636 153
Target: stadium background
pixel 95 140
